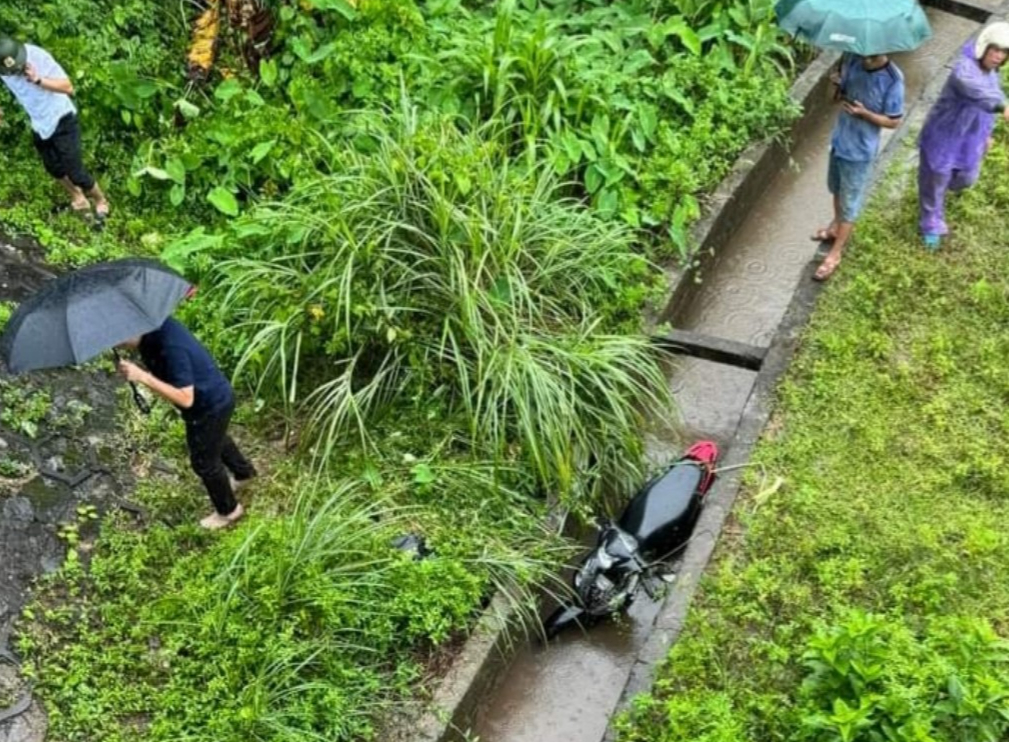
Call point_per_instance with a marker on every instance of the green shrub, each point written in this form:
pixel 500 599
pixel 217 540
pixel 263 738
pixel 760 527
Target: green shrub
pixel 873 679
pixel 432 267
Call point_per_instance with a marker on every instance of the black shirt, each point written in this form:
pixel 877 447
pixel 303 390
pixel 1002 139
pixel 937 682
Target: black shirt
pixel 173 355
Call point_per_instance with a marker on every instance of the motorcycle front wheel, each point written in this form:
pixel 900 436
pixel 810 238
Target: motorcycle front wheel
pixel 606 596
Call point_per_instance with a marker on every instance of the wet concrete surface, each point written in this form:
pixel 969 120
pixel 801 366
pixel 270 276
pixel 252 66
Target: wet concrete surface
pixel 54 458
pixel 565 692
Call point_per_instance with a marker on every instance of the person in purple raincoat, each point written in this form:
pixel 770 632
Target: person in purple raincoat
pixel 957 132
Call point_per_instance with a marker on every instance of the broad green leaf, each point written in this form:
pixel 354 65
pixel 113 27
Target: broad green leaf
pixel 638 139
pixel 305 53
pixel 187 109
pixel 268 72
pixel 687 36
pixel 177 194
pixel 342 7
pixel 224 200
pixel 196 241
pixel 607 200
pixel 176 170
pixel 601 131
pixel 228 90
pixel 253 97
pixel 154 172
pixel 638 61
pixel 648 118
pixel 144 89
pixel 261 150
pixel 423 474
pixel 593 178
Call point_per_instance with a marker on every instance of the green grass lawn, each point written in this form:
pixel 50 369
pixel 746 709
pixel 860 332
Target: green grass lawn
pixel 864 597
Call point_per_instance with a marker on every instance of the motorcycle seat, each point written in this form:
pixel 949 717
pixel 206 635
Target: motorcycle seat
pixel 662 514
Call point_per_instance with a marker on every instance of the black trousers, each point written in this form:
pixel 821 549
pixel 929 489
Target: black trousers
pixel 61 153
pixel 213 454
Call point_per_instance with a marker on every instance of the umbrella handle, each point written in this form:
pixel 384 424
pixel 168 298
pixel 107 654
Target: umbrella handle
pixel 142 404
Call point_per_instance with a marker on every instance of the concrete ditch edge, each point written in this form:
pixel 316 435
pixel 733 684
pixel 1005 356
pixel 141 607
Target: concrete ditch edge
pixel 730 202
pixel 488 651
pixel 671 618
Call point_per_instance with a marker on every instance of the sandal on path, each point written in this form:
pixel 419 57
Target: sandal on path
pixel 824 234
pixel 82 210
pixel 826 269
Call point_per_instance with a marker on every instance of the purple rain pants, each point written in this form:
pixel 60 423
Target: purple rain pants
pixel 932 189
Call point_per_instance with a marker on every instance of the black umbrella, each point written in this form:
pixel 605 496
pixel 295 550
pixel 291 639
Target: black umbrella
pixel 80 314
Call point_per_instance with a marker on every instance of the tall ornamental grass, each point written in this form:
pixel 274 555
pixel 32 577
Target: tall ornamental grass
pixel 434 268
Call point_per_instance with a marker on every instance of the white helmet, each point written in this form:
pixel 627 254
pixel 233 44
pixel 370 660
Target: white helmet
pixel 996 34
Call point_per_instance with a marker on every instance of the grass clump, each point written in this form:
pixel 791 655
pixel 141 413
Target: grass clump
pixel 430 269
pixel 867 598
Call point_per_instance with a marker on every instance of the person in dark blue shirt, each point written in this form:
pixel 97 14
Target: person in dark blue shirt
pixel 872 91
pixel 180 370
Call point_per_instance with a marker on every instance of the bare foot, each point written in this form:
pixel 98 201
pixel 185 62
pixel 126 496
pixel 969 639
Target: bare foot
pixel 216 521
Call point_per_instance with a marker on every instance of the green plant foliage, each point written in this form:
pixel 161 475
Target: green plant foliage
pixel 432 266
pixel 442 303
pixel 610 94
pixel 646 103
pixel 871 678
pixel 866 598
pixel 23 409
pixel 301 624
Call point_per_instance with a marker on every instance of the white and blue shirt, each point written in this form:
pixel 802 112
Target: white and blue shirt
pixel 44 107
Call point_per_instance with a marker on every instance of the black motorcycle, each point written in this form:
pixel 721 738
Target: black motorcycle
pixel 630 553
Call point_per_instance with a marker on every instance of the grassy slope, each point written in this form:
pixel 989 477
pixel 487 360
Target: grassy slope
pixel 891 439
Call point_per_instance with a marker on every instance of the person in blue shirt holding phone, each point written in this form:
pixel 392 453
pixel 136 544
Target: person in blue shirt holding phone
pixel 872 94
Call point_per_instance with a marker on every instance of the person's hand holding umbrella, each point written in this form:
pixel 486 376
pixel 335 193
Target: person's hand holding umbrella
pixel 130 371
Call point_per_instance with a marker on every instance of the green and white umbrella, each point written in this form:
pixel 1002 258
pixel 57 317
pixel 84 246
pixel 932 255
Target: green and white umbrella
pixel 862 27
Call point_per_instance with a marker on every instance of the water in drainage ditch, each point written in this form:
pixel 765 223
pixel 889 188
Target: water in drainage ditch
pixel 564 693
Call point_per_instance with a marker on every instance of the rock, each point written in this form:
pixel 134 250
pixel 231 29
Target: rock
pixel 18 509
pixel 3 445
pixel 30 726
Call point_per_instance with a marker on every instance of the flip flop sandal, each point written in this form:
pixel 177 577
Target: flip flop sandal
pixel 825 270
pixel 822 235
pixel 84 212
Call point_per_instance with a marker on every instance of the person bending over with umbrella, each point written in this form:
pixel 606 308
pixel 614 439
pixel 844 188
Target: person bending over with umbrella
pixel 181 371
pixel 43 89
pixel 957 132
pixel 872 91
